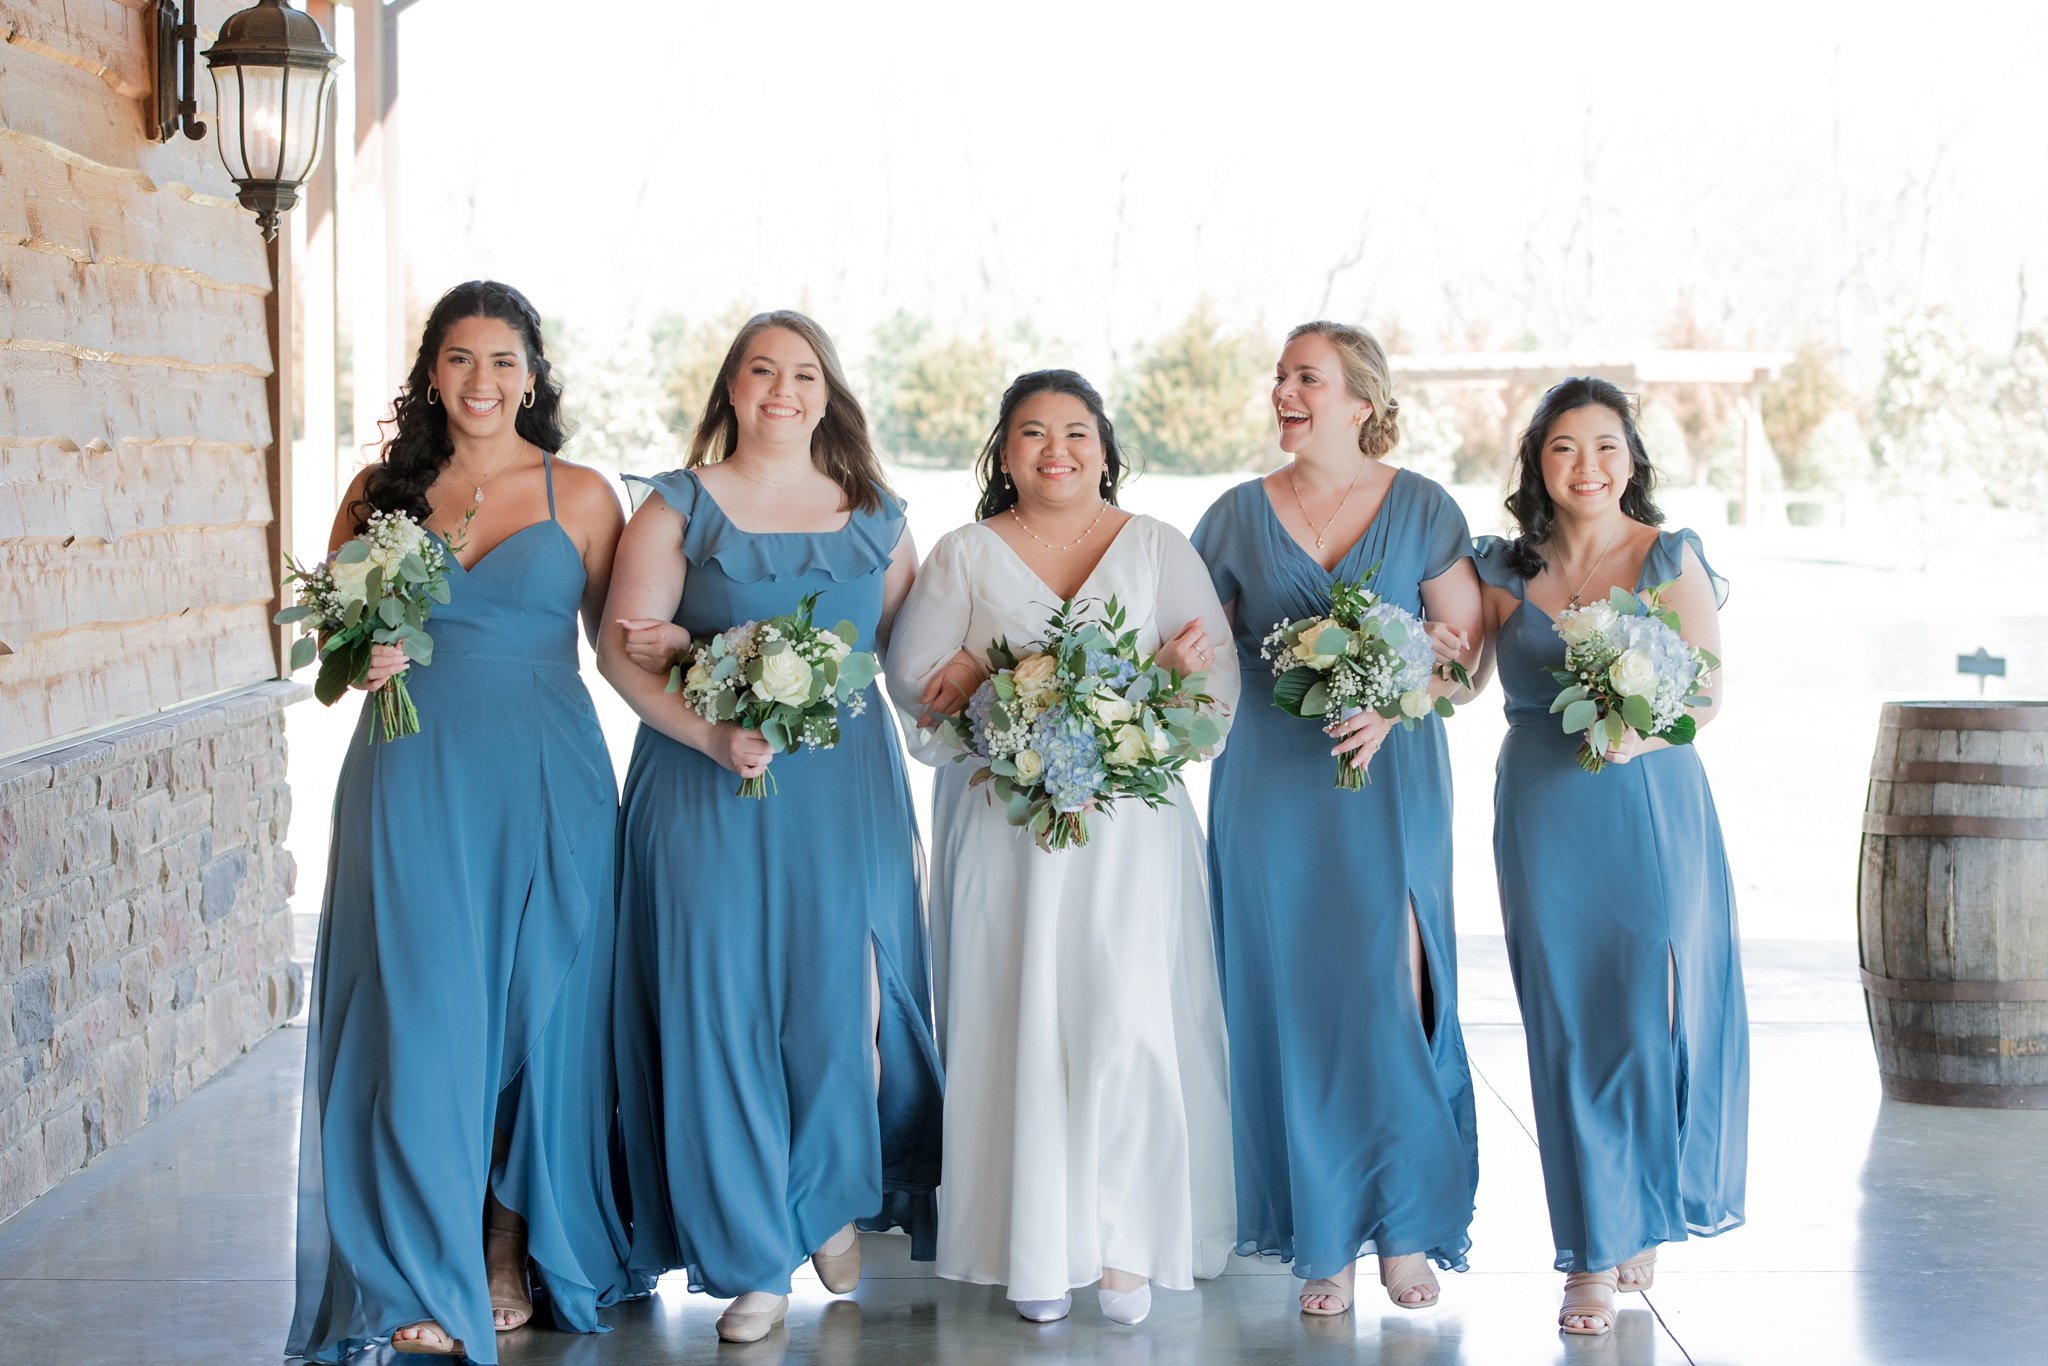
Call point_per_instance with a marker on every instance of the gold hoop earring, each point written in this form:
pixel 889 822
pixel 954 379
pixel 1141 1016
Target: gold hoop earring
pixel 527 402
pixel 433 396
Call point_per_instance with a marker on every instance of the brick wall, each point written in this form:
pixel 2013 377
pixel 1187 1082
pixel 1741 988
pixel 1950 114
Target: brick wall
pixel 145 936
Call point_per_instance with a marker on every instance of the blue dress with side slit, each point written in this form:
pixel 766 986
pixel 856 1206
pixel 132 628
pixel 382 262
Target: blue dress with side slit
pixel 1615 888
pixel 752 1120
pixel 462 981
pixel 1352 1114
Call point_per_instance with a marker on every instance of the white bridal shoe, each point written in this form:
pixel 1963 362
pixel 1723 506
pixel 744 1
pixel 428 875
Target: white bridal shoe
pixel 1045 1311
pixel 1128 1307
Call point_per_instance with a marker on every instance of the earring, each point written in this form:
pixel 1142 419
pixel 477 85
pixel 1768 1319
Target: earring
pixel 527 402
pixel 433 395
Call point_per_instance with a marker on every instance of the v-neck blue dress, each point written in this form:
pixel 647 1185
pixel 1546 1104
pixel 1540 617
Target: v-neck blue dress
pixel 1609 883
pixel 1353 1119
pixel 462 980
pixel 751 1118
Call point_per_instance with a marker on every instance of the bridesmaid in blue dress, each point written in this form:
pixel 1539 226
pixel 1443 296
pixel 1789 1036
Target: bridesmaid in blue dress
pixel 779 1081
pixel 459 1089
pixel 1614 886
pixel 1351 1098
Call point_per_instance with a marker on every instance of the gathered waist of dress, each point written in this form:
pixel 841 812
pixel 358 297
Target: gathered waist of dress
pixel 569 665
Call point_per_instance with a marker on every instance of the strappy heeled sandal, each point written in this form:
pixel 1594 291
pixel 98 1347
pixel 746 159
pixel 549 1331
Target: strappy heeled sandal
pixel 439 1345
pixel 1328 1288
pixel 1408 1272
pixel 511 1295
pixel 1638 1273
pixel 1588 1295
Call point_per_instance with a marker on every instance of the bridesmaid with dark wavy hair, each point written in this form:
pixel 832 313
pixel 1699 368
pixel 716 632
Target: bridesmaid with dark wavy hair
pixel 1614 886
pixel 459 1087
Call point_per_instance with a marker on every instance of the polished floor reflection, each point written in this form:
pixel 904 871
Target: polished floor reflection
pixel 1879 1233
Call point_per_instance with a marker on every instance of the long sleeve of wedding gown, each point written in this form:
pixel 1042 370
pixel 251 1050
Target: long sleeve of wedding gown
pixel 1185 594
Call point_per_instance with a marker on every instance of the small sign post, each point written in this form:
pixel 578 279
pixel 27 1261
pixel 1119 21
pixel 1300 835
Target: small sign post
pixel 1984 664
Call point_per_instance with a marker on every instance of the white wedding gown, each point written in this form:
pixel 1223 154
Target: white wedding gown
pixel 1087 1119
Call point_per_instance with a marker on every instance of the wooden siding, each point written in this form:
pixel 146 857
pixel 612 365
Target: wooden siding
pixel 135 353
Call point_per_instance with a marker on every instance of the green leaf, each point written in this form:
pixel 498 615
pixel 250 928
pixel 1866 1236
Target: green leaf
pixel 390 612
pixel 1680 732
pixel 1444 707
pixel 1580 715
pixel 1316 702
pixel 1626 603
pixel 1291 687
pixel 847 632
pixel 1636 711
pixel 675 679
pixel 303 650
pixel 292 614
pixel 1575 693
pixel 776 732
pixel 1333 640
pixel 414 568
pixel 856 671
pixel 438 591
pixel 355 552
pixel 419 647
pixel 1395 633
pixel 1204 732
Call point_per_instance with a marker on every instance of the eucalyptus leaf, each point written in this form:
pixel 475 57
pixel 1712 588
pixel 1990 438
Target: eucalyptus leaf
pixel 1316 702
pixel 303 650
pixel 1636 711
pixel 1580 716
pixel 292 614
pixel 354 552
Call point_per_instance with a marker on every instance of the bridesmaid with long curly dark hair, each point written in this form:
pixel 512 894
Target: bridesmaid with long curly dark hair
pixel 459 1091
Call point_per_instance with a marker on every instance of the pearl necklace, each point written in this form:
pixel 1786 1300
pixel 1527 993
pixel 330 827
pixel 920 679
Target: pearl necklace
pixel 1070 544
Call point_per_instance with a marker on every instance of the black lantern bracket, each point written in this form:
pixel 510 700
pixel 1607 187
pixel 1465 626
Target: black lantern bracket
pixel 177 98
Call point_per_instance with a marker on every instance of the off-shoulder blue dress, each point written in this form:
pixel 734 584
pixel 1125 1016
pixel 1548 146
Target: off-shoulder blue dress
pixel 1605 879
pixel 462 980
pixel 1353 1122
pixel 748 1108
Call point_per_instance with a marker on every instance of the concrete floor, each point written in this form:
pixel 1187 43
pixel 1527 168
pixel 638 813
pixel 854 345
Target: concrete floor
pixel 1879 1232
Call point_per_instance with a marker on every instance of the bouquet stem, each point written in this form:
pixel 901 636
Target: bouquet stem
pixel 758 786
pixel 1350 777
pixel 1588 760
pixel 1069 829
pixel 396 715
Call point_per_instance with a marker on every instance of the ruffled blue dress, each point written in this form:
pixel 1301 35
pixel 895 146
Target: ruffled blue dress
pixel 1609 883
pixel 462 981
pixel 749 1110
pixel 1353 1122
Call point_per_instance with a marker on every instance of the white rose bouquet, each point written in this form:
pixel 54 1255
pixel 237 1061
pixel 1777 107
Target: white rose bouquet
pixel 1366 654
pixel 1078 721
pixel 375 590
pixel 783 677
pixel 1628 670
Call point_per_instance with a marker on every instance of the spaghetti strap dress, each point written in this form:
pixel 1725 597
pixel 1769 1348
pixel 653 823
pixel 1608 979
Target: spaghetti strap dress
pixel 462 981
pixel 1615 886
pixel 1353 1116
pixel 753 1124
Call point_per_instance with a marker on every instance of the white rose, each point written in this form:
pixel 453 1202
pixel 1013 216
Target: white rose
pixel 1586 623
pixel 352 581
pixel 785 678
pixel 1036 680
pixel 1304 644
pixel 1109 710
pixel 698 680
pixel 836 647
pixel 1130 747
pixel 1029 765
pixel 1417 703
pixel 1633 674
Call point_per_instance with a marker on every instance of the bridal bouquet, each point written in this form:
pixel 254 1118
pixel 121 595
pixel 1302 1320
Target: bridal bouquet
pixel 1627 670
pixel 375 590
pixel 1078 721
pixel 783 677
pixel 1366 655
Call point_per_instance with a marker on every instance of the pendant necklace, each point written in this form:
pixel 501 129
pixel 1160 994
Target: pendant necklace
pixel 1070 544
pixel 1295 489
pixel 745 473
pixel 1575 604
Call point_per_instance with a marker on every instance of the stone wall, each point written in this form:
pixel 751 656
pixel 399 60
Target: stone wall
pixel 145 935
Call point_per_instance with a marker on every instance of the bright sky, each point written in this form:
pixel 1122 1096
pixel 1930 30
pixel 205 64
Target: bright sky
pixel 1498 174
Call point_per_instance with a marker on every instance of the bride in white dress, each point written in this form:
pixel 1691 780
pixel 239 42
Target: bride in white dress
pixel 1087 1121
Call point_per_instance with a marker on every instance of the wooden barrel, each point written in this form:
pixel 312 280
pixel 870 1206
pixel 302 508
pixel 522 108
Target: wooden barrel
pixel 1952 903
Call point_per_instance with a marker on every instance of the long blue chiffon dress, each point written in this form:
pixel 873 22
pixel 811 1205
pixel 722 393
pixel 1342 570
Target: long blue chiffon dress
pixel 1609 883
pixel 463 980
pixel 749 1108
pixel 1353 1122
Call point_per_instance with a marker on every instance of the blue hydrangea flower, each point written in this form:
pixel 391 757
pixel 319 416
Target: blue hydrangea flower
pixel 1073 758
pixel 977 716
pixel 1111 668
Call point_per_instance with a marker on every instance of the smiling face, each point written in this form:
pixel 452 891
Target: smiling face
pixel 1310 401
pixel 779 393
pixel 1586 461
pixel 482 374
pixel 1053 452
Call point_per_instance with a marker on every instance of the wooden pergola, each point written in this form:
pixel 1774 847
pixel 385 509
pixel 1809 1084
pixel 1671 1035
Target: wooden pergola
pixel 1745 371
